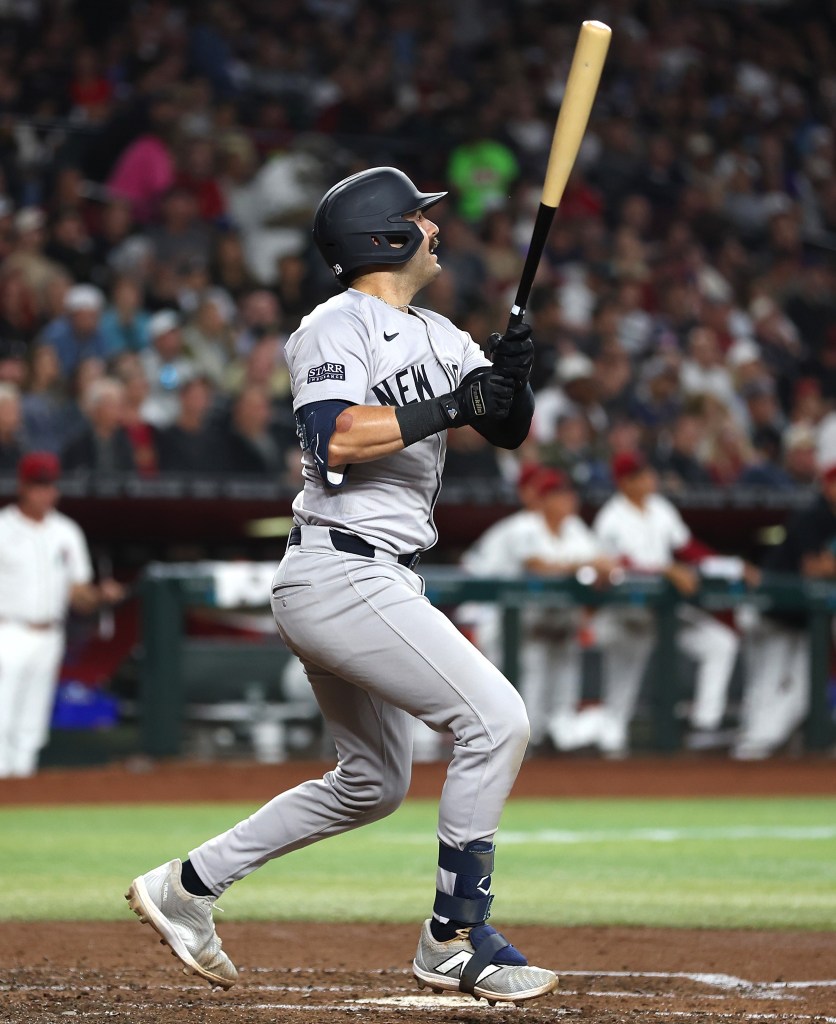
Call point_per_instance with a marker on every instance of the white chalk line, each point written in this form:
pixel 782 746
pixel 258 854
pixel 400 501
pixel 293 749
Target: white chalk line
pixel 726 982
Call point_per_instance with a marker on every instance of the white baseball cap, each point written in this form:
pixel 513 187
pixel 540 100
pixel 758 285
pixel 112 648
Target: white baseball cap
pixel 163 322
pixel 743 351
pixel 575 366
pixel 761 307
pixel 29 218
pixel 83 296
pixel 799 435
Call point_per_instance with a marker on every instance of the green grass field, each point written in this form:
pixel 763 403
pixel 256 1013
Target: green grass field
pixel 759 863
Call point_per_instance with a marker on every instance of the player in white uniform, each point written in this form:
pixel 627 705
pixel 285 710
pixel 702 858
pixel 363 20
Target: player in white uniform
pixel 560 544
pixel 44 569
pixel 646 532
pixel 500 551
pixel 376 384
pixel 547 537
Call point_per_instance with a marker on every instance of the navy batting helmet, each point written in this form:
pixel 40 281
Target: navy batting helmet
pixel 360 221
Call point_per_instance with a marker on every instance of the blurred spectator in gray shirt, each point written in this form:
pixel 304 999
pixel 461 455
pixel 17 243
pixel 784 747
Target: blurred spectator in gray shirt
pixel 250 446
pixel 103 447
pixel 189 444
pixel 208 337
pixel 181 238
pixel 45 406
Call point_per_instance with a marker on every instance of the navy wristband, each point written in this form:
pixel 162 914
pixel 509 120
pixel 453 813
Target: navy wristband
pixel 420 419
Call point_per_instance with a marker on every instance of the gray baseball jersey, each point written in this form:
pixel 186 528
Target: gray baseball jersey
pixel 359 349
pixel 377 653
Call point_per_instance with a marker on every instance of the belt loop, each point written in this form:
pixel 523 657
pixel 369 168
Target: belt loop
pixel 411 561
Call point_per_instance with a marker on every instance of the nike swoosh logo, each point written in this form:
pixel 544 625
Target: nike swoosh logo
pixel 391 337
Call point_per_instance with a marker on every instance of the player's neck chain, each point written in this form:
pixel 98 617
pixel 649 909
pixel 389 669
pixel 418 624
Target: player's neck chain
pixel 403 309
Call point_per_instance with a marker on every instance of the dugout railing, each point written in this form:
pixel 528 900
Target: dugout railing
pixel 167 590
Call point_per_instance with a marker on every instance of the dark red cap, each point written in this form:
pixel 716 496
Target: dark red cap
pixel 627 464
pixel 806 386
pixel 39 468
pixel 552 480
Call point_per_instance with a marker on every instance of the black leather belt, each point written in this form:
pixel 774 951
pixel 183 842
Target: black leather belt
pixel 353 545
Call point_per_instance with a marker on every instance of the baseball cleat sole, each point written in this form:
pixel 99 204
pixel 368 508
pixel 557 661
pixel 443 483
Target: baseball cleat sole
pixel 142 905
pixel 439 983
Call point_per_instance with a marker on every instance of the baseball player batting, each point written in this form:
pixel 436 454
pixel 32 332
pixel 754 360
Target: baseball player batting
pixel 377 383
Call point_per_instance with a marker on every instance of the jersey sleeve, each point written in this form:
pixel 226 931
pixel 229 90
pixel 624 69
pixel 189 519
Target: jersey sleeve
pixel 80 568
pixel 584 544
pixel 473 358
pixel 605 530
pixel 678 534
pixel 487 557
pixel 331 361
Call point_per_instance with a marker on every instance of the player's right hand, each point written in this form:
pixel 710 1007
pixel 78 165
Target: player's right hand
pixel 684 578
pixel 484 394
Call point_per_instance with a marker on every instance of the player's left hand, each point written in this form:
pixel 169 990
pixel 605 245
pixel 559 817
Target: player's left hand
pixel 684 578
pixel 111 592
pixel 512 354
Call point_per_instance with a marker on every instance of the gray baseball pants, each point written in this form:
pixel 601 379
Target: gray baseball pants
pixel 377 655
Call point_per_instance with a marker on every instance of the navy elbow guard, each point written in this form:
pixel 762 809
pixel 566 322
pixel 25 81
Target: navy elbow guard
pixel 315 423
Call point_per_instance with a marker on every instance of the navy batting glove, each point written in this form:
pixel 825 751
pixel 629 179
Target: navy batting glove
pixel 512 354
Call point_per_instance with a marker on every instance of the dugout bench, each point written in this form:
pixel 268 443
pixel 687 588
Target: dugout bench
pixel 209 682
pixel 167 590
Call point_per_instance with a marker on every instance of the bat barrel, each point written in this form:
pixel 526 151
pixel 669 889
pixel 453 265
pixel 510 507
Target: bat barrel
pixel 581 86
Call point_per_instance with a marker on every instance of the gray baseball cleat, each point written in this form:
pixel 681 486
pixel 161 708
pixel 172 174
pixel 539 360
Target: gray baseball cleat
pixel 183 922
pixel 482 962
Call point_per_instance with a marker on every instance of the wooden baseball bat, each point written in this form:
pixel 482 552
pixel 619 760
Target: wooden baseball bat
pixel 581 87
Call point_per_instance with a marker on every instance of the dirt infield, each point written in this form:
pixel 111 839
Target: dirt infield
pixel 315 973
pixel 189 782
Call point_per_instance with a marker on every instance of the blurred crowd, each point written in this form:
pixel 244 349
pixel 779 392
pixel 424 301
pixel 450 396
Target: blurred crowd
pixel 160 163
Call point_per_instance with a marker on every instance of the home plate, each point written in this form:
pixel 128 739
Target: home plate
pixel 425 1002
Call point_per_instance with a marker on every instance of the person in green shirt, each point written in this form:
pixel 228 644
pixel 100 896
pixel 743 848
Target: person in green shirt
pixel 481 170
